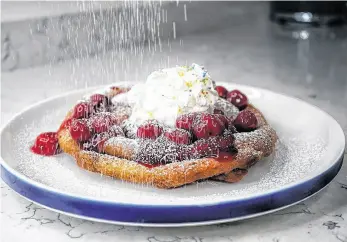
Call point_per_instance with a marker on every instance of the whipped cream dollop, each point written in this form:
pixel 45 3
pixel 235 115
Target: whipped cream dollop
pixel 171 92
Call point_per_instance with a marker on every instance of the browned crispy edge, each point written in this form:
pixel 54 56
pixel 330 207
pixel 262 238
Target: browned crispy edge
pixel 174 174
pixel 252 149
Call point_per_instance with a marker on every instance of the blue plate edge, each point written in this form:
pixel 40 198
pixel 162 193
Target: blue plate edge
pixel 159 214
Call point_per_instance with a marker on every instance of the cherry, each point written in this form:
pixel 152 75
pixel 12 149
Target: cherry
pixel 66 123
pixel 225 120
pixel 179 136
pixel 79 130
pixel 237 98
pixel 222 91
pixel 207 125
pixel 82 110
pixel 101 122
pixel 96 143
pixel 185 121
pixel 149 130
pixel 46 144
pixel 225 141
pixel 245 121
pixel 204 148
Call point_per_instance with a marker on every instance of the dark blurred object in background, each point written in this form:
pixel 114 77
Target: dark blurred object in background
pixel 310 13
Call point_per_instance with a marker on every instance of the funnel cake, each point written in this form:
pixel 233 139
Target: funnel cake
pixel 219 137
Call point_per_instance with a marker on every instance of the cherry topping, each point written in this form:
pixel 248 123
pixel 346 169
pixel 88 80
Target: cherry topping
pixel 245 121
pixel 66 123
pixel 238 99
pixel 222 91
pixel 225 141
pixel 228 122
pixel 207 125
pixel 179 136
pixel 82 110
pixel 149 130
pixel 185 121
pixel 96 143
pixel 224 119
pixel 101 122
pixel 79 130
pixel 46 144
pixel 205 148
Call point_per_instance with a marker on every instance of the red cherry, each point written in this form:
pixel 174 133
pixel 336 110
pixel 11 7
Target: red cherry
pixel 46 144
pixel 224 119
pixel 101 122
pixel 245 121
pixel 179 136
pixel 204 148
pixel 237 98
pixel 228 122
pixel 79 130
pixel 185 121
pixel 207 125
pixel 149 130
pixel 98 99
pixel 96 143
pixel 222 91
pixel 225 141
pixel 82 110
pixel 66 123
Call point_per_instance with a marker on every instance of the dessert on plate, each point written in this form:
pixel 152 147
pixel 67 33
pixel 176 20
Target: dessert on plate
pixel 176 128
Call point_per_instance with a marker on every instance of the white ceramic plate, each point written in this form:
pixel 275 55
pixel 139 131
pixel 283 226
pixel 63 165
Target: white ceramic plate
pixel 308 156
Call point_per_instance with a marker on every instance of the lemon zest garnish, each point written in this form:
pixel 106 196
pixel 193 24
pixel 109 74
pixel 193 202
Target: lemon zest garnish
pixel 189 84
pixel 181 73
pixel 179 110
pixel 204 80
pixel 150 114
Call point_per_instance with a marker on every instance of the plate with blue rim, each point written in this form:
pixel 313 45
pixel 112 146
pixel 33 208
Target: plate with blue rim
pixel 307 157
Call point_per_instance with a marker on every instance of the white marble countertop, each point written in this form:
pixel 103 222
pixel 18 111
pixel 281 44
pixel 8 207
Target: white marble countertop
pixel 313 70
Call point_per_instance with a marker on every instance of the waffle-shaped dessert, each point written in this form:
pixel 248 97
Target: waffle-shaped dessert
pixel 172 130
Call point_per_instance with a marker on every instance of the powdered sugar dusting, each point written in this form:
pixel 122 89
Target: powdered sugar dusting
pixel 228 109
pixel 294 158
